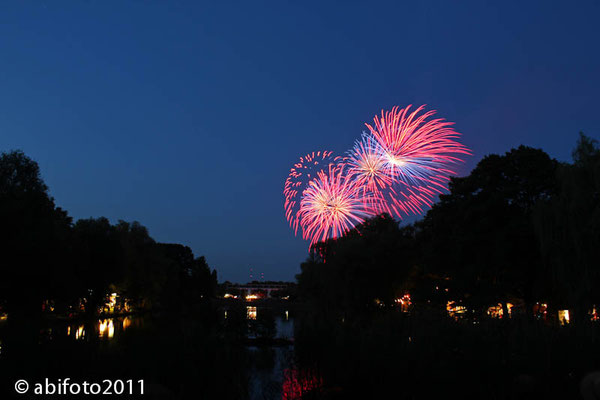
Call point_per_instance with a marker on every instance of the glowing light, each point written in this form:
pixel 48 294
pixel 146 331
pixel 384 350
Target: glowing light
pixel 297 384
pixel 398 167
pixel 540 311
pixel 563 317
pixel 398 162
pixel 455 310
pixel 417 154
pixel 404 302
pixel 250 312
pixel 48 306
pixel 251 297
pixel 111 329
pixel 126 323
pixel 112 301
pixel 498 312
pixel 367 164
pixel 80 333
pixel 305 170
pixel 332 205
pixel 106 328
pixel 509 307
pixel 426 147
pixel 230 296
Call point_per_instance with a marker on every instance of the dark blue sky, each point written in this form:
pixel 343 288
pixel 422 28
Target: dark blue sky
pixel 187 117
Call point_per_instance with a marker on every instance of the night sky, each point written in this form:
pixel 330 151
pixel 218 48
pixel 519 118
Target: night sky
pixel 187 117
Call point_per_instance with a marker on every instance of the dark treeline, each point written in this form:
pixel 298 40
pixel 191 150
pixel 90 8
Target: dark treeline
pixel 522 229
pixel 521 226
pixel 179 345
pixel 45 256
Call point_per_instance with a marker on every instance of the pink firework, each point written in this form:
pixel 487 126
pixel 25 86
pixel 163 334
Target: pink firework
pixel 398 167
pixel 414 157
pixel 368 164
pixel 333 204
pixel 305 170
pixel 368 167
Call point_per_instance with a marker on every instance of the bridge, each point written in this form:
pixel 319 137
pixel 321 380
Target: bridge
pixel 253 287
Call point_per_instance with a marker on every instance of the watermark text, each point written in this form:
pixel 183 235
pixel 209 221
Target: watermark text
pixel 66 386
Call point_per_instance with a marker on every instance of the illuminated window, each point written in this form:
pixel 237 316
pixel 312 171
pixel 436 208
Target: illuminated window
pixel 563 317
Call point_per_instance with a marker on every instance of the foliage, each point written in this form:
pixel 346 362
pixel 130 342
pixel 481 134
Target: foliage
pixel 368 263
pixel 520 228
pixel 425 355
pixel 568 226
pixel 46 256
pixel 33 236
pixel 482 234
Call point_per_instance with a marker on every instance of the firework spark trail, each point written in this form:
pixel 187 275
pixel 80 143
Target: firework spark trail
pixel 368 165
pixel 297 181
pixel 417 154
pixel 417 150
pixel 332 205
pixel 398 167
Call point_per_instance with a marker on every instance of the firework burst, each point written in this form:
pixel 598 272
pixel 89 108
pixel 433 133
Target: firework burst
pixel 332 204
pixel 297 182
pixel 417 149
pixel 399 167
pixel 416 153
pixel 368 165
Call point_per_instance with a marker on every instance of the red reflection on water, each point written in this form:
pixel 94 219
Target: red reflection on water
pixel 297 383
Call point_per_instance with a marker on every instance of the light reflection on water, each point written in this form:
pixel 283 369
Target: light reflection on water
pixel 298 383
pixel 284 327
pixel 79 333
pixel 273 373
pixel 268 370
pixel 105 329
pixel 267 381
pixel 284 324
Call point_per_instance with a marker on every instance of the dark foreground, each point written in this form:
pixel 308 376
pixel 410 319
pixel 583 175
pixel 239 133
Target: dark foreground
pixel 283 352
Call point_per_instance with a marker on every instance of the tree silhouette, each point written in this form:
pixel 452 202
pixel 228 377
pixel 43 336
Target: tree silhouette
pixel 482 234
pixel 568 226
pixel 360 270
pixel 33 237
pixel 98 257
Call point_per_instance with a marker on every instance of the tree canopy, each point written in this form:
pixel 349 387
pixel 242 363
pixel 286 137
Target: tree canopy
pixel 47 256
pixel 520 227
